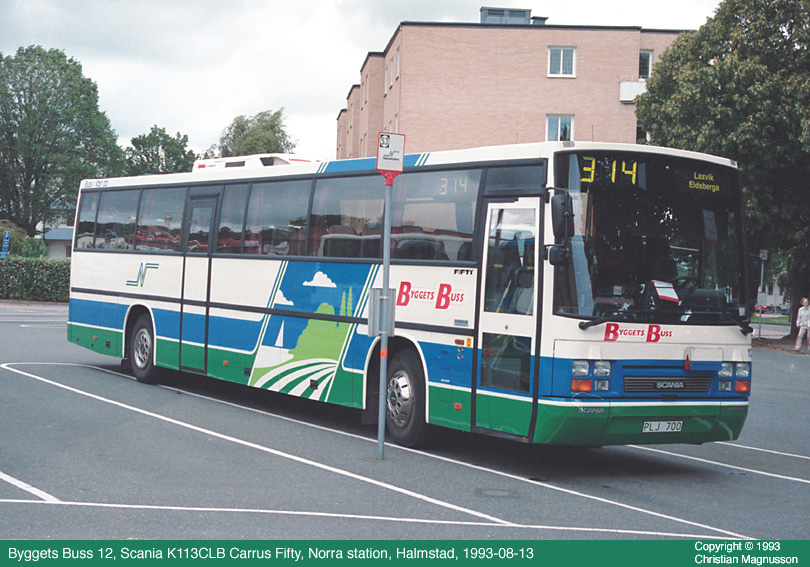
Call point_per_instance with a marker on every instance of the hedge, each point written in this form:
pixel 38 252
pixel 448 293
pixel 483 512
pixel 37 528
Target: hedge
pixel 34 279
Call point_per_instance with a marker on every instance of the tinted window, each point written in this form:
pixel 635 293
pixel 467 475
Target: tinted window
pixel 277 217
pixel 201 213
pixel 232 219
pixel 433 215
pixel 160 219
pixel 515 180
pixel 85 227
pixel 115 227
pixel 346 219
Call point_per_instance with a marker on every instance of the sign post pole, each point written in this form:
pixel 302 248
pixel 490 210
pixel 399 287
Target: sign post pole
pixel 763 257
pixel 390 162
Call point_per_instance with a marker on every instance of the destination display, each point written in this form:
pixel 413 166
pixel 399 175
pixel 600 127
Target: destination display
pixel 635 170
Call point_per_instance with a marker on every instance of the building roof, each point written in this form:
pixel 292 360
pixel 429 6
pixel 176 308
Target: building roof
pixel 58 234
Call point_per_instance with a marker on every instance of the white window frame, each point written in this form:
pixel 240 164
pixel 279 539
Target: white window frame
pixel 649 70
pixel 556 129
pixel 562 49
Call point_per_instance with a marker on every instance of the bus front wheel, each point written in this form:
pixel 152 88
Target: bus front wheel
pixel 142 350
pixel 405 400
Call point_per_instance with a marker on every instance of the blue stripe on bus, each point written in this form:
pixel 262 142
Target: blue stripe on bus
pixel 368 164
pixel 234 334
pixel 95 313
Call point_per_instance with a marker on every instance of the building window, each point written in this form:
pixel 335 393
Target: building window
pixel 560 128
pixel 397 62
pixel 645 59
pixel 562 61
pixel 642 135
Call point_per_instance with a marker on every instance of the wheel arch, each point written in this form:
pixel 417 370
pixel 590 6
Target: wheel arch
pixel 396 344
pixel 134 313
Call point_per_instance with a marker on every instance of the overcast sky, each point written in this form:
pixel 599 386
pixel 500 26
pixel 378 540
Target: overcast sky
pixel 191 66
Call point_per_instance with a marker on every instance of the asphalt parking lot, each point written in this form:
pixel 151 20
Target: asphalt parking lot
pixel 88 453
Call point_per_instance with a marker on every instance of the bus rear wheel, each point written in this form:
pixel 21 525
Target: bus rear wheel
pixel 142 351
pixel 405 400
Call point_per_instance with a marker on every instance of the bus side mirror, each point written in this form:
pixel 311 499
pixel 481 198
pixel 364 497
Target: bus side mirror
pixel 562 217
pixel 557 255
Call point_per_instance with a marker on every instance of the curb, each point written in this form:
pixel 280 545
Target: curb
pixel 783 349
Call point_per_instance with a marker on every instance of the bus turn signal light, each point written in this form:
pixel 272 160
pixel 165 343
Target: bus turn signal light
pixel 581 385
pixel 742 386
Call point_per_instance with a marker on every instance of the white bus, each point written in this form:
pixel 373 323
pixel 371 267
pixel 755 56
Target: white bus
pixel 565 293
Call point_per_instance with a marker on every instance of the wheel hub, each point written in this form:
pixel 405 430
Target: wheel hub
pixel 142 352
pixel 400 399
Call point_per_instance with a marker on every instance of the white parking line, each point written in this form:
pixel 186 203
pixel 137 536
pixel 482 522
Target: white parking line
pixel 719 464
pixel 28 488
pixel 497 521
pixel 363 517
pixel 264 449
pixel 771 451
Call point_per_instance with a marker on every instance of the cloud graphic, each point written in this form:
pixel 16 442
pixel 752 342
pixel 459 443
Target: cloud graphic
pixel 281 300
pixel 321 280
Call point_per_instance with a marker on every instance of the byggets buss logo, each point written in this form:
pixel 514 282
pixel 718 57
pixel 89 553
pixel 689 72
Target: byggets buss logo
pixel 441 298
pixel 652 334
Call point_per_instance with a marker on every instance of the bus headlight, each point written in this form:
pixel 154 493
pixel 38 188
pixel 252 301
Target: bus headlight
pixel 601 368
pixel 580 368
pixel 744 370
pixel 726 370
pixel 724 385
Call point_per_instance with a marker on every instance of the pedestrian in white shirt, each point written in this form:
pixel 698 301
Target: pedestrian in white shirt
pixel 803 323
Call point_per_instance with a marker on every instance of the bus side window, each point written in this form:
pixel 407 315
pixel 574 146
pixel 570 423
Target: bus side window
pixel 86 226
pixel 232 220
pixel 433 215
pixel 276 218
pixel 160 219
pixel 346 216
pixel 115 227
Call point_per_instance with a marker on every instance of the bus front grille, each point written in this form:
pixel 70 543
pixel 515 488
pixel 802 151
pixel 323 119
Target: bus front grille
pixel 666 385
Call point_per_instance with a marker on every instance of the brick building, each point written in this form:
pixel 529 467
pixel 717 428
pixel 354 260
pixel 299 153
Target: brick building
pixel 509 79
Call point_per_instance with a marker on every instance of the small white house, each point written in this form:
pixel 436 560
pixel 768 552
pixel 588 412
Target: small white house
pixel 58 241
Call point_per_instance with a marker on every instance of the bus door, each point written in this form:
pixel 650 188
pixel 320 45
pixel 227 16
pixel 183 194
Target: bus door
pixel 198 233
pixel 507 331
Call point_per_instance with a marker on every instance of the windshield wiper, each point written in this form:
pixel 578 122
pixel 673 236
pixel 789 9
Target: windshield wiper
pixel 745 328
pixel 584 325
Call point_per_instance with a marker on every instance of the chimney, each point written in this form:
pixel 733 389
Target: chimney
pixel 506 16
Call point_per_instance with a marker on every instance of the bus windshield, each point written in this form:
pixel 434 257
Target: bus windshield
pixel 656 239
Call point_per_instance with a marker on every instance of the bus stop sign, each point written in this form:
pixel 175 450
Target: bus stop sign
pixel 6 239
pixel 390 155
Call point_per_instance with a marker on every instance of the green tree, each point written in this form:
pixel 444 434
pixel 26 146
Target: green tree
pixel 260 134
pixel 739 87
pixel 52 134
pixel 158 152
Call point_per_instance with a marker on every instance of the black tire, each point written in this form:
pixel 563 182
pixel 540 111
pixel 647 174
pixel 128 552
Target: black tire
pixel 142 351
pixel 405 400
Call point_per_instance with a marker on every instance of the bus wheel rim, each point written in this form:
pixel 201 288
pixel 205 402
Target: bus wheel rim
pixel 142 352
pixel 400 398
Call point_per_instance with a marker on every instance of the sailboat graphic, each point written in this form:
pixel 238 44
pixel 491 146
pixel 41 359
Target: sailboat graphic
pixel 271 356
